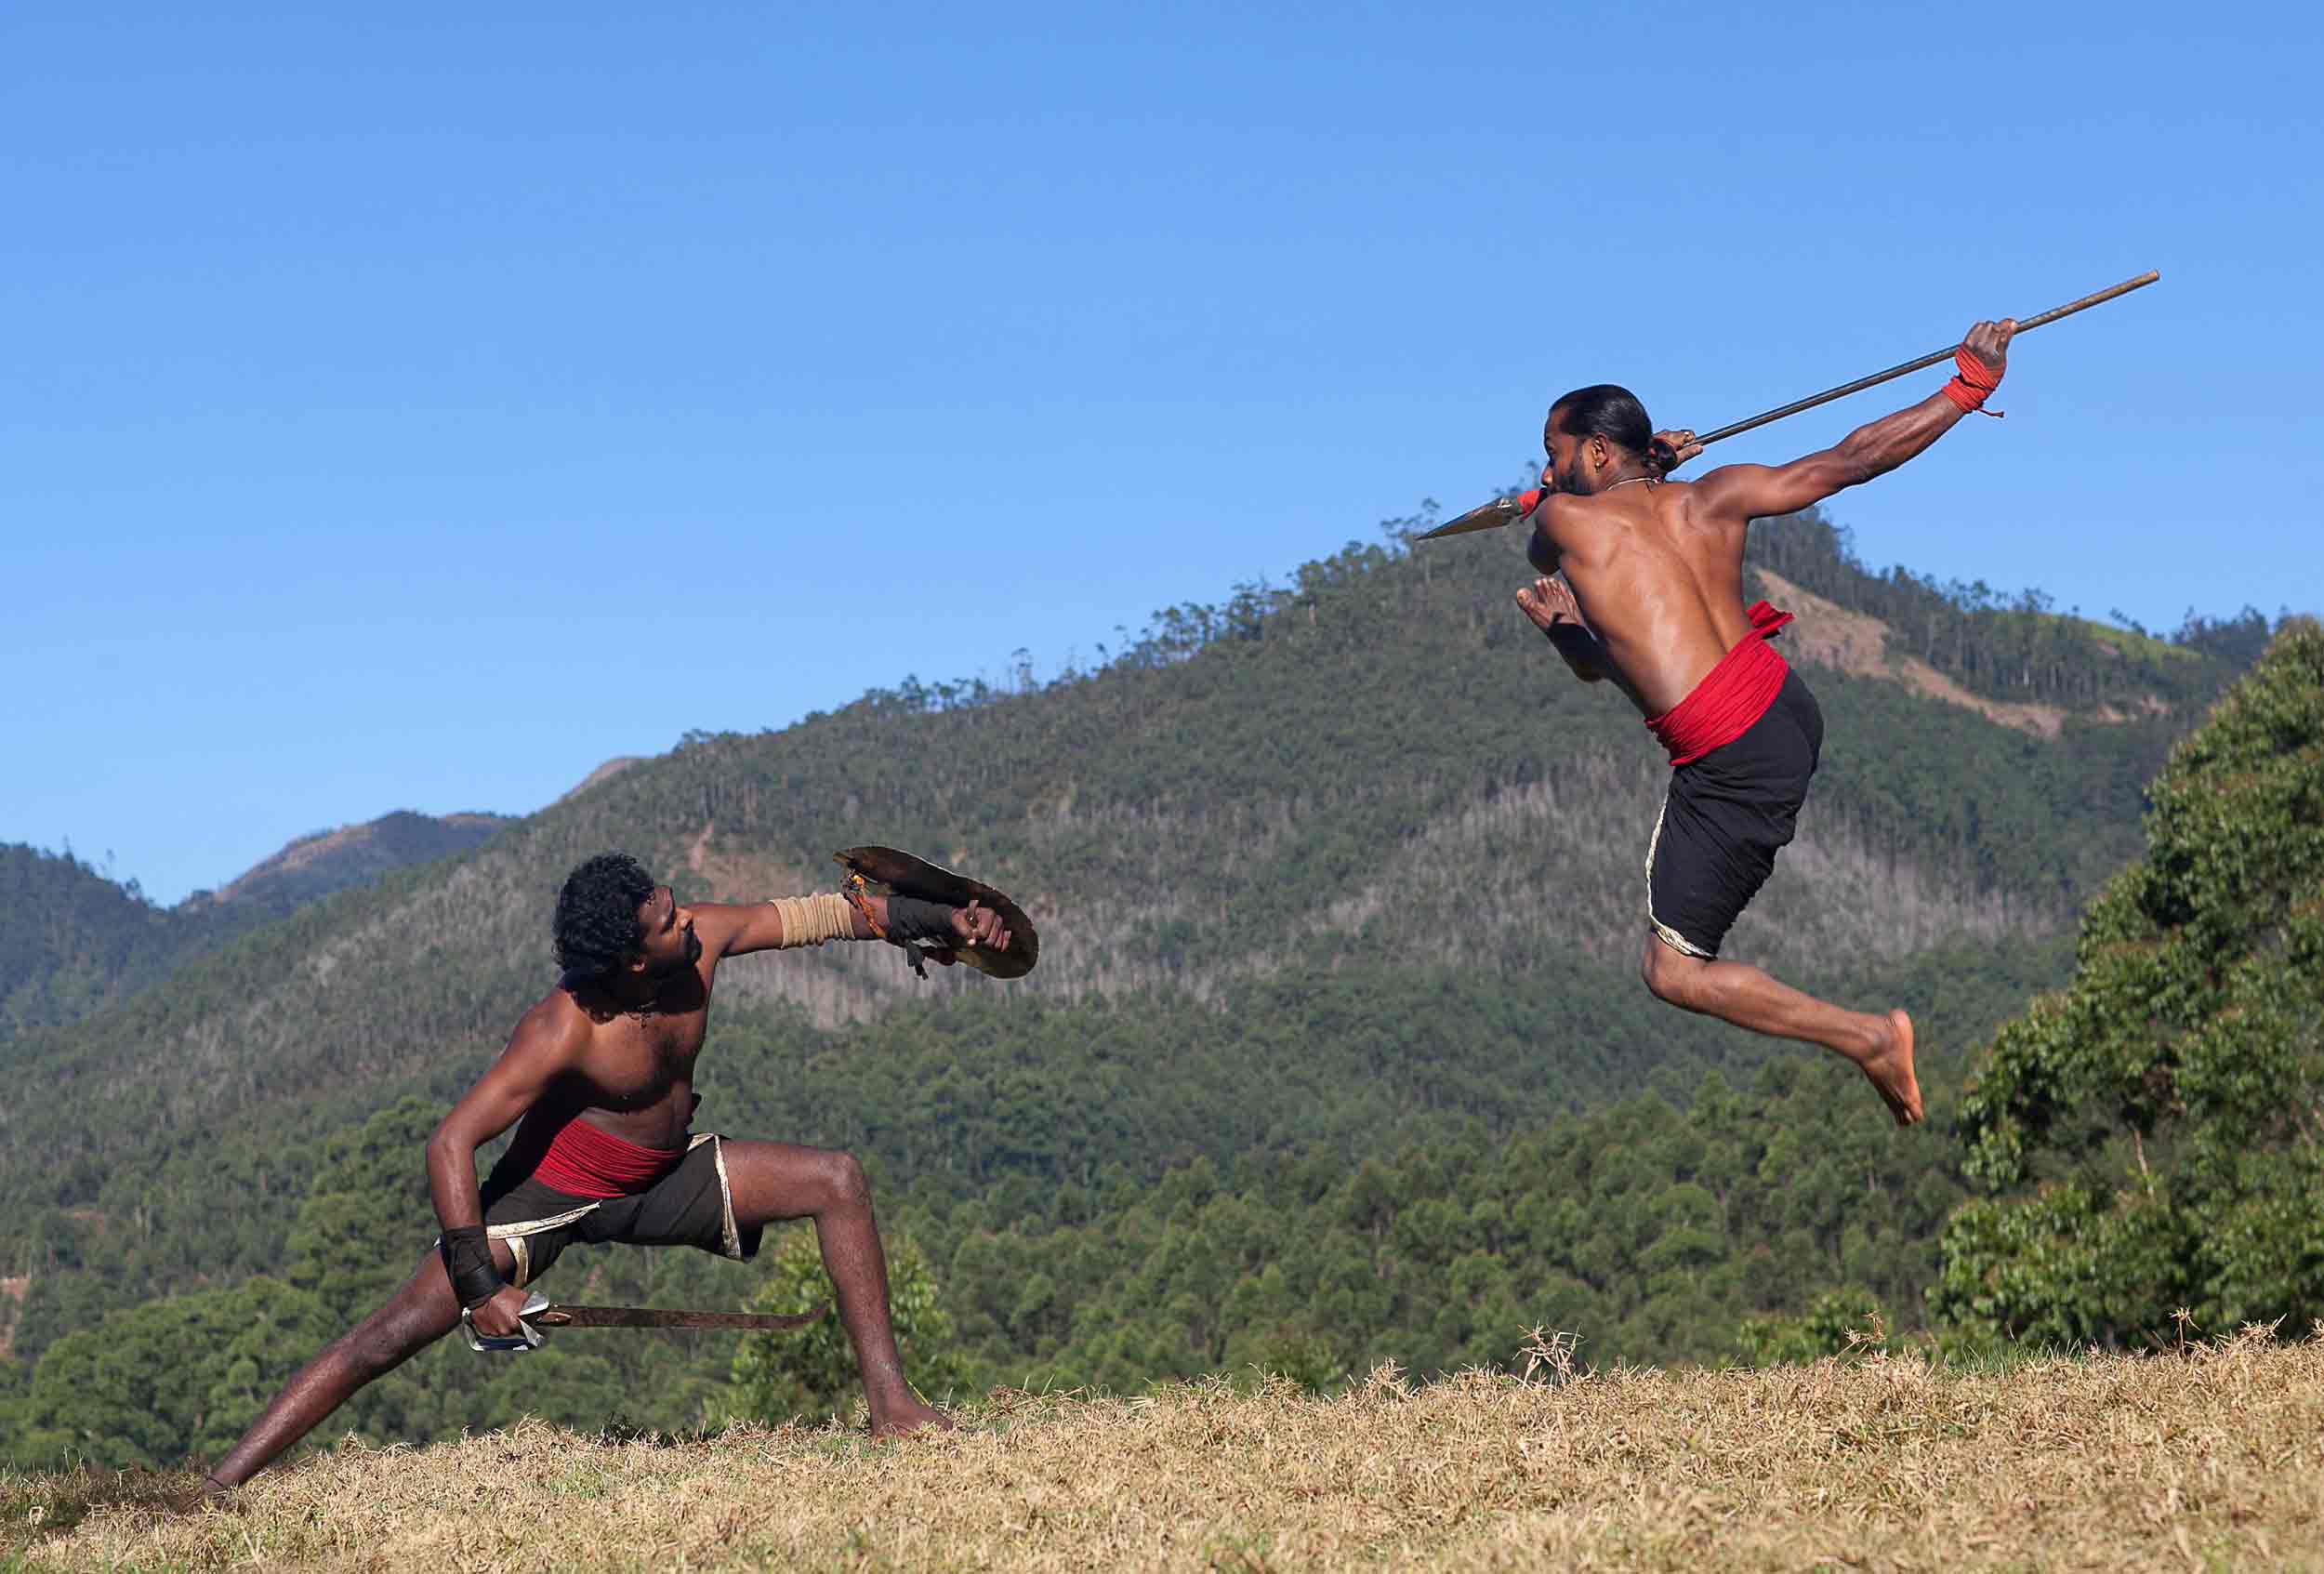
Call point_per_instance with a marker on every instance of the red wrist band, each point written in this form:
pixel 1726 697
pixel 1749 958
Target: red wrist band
pixel 854 891
pixel 1973 381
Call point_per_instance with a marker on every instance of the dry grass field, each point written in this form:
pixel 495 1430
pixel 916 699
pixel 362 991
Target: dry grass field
pixel 2208 1459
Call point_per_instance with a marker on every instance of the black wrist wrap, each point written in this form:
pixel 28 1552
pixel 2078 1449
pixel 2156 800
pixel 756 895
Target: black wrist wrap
pixel 909 920
pixel 467 1260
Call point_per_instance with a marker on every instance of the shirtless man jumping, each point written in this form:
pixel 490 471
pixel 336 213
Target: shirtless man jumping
pixel 1642 583
pixel 601 1073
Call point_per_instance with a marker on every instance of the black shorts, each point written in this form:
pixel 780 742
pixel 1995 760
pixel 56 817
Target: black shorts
pixel 1727 814
pixel 691 1206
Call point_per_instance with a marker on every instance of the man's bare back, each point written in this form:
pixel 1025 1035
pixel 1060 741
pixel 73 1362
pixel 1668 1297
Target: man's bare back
pixel 1641 583
pixel 1657 578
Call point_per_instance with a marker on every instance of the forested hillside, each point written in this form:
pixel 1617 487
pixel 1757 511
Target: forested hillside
pixel 1344 870
pixel 73 941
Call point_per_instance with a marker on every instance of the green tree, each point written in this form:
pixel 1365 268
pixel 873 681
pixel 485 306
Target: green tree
pixel 2150 1130
pixel 1835 1322
pixel 368 1216
pixel 779 1376
pixel 167 1380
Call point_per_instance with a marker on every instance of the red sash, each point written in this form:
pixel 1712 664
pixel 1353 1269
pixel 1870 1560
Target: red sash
pixel 1732 696
pixel 584 1161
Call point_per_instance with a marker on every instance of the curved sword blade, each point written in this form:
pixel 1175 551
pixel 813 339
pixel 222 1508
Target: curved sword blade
pixel 656 1316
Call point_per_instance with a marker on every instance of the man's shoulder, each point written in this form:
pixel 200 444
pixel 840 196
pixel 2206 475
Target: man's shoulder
pixel 1691 505
pixel 1676 499
pixel 1623 508
pixel 558 1018
pixel 1620 502
pixel 1562 513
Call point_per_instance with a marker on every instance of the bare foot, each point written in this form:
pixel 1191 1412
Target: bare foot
pixel 193 1498
pixel 1890 1070
pixel 908 1418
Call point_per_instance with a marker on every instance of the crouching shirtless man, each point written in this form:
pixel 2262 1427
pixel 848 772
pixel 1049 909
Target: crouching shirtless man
pixel 1648 592
pixel 601 1075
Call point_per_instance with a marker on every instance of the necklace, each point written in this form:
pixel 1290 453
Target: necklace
pixel 1649 480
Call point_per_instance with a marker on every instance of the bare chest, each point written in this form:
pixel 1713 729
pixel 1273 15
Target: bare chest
pixel 635 1061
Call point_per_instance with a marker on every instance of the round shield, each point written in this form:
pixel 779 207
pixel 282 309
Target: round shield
pixel 905 873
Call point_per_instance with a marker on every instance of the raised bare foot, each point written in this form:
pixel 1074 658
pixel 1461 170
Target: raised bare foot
pixel 906 1418
pixel 1890 1070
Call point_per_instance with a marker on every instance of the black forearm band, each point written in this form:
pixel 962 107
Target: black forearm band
pixel 467 1260
pixel 909 920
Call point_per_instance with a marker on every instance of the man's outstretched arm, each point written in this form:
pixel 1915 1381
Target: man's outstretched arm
pixel 1759 491
pixel 733 931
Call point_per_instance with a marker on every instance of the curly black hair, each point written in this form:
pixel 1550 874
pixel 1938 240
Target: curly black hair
pixel 597 914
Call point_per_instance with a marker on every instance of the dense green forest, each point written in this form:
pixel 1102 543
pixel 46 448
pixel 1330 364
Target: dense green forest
pixel 1340 901
pixel 73 942
pixel 1084 1233
pixel 2148 1135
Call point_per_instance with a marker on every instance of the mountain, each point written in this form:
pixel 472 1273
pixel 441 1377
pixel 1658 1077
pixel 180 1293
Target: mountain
pixel 73 942
pixel 314 867
pixel 604 772
pixel 1328 869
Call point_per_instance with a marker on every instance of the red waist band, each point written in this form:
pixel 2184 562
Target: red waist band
pixel 584 1161
pixel 1732 695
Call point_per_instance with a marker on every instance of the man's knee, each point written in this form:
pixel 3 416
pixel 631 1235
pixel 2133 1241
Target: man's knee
pixel 843 1179
pixel 1669 976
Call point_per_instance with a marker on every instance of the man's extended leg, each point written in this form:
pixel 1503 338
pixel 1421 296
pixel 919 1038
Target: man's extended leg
pixel 771 1181
pixel 413 1318
pixel 1735 992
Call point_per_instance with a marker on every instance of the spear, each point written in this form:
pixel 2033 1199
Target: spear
pixel 1507 510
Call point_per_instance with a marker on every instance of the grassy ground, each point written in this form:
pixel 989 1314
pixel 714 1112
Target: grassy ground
pixel 2209 1459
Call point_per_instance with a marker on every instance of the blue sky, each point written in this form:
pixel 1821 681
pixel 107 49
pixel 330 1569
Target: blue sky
pixel 415 408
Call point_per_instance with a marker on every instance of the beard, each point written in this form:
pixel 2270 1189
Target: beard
pixel 692 955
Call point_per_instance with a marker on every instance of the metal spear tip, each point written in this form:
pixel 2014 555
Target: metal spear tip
pixel 1491 516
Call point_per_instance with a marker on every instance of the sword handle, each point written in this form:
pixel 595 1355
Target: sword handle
pixel 528 1338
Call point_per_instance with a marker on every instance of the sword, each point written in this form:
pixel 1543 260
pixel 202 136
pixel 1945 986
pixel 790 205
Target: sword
pixel 540 1313
pixel 656 1316
pixel 1509 510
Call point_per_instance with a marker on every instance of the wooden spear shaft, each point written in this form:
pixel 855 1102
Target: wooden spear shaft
pixel 1934 357
pixel 1510 510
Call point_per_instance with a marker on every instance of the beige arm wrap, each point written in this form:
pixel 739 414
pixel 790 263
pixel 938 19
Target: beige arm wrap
pixel 811 920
